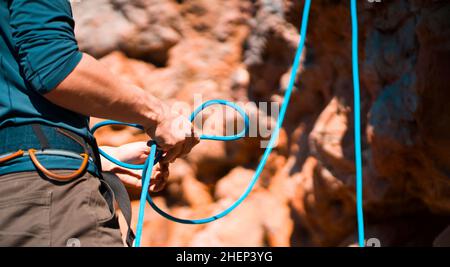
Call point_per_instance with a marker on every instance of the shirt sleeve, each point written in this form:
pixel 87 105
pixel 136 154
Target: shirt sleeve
pixel 43 34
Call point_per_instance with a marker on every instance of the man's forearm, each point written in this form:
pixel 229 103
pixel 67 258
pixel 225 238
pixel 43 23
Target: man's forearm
pixel 92 90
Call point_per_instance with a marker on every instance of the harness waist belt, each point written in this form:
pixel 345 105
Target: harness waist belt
pixel 41 137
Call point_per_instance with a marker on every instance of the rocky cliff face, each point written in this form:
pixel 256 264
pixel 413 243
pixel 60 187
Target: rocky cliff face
pixel 242 50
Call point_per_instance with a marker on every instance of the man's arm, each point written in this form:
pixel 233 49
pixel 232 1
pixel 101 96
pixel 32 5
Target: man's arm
pixel 53 66
pixel 92 90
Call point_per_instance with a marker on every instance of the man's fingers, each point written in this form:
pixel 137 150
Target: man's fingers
pixel 135 153
pixel 164 167
pixel 158 183
pixel 172 154
pixel 130 178
pixel 162 144
pixel 160 176
pixel 190 143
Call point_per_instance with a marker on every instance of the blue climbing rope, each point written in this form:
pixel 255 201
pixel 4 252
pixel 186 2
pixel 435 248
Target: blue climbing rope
pixel 155 154
pixel 357 121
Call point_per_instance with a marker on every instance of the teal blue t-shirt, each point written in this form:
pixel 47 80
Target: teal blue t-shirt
pixel 38 51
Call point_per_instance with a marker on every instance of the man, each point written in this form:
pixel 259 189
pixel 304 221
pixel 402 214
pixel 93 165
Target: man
pixel 48 90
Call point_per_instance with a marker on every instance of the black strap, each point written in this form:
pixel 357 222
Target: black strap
pixel 96 153
pixel 123 200
pixel 41 136
pixel 78 139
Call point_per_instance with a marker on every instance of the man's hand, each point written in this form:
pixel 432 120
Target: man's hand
pixel 174 134
pixel 135 153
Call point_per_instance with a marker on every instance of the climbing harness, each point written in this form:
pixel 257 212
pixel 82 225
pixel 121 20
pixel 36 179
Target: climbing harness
pixel 155 154
pixel 67 146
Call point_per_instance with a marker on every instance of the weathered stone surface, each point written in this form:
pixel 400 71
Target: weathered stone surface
pixel 141 28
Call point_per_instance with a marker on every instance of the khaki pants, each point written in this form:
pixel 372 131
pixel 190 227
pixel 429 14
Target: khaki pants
pixel 38 211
